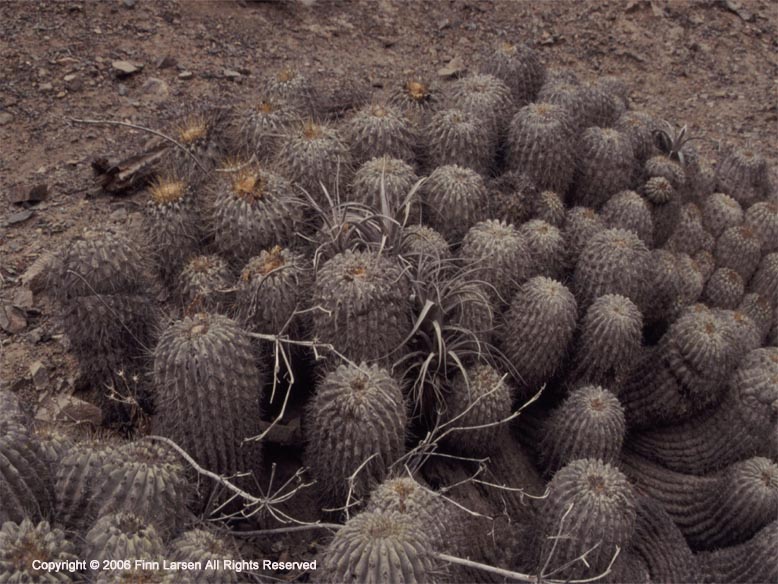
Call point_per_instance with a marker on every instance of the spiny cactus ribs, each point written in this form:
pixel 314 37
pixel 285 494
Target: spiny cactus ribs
pixel 504 317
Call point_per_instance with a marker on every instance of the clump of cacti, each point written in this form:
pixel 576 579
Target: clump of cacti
pixel 719 212
pixel 123 536
pixel 206 373
pixel 739 248
pixel 628 210
pixel 519 67
pixel 485 96
pixel 604 166
pixel 460 137
pixel 743 175
pixel 24 542
pixel 356 429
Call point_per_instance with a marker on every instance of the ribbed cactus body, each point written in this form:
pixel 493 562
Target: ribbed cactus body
pixel 271 288
pixel 592 503
pixel 752 561
pixel 742 425
pixel 604 166
pixel 755 307
pixel 705 263
pixel 206 377
pixel 762 217
pixel 540 144
pixel 259 130
pixel 314 155
pixel 123 536
pixel 434 515
pixel 512 198
pixel 24 542
pixel 546 245
pixel 662 545
pixel 670 170
pixel 740 249
pixel 79 473
pixel 454 200
pixel 146 479
pixel 689 235
pixel 199 545
pixel 376 547
pixel 628 210
pixel 420 240
pixel 614 261
pixel 417 98
pixel 357 413
pixel 253 209
pixel 462 138
pixel 24 474
pixel 204 283
pixel 200 132
pixel 476 403
pixel 394 178
pixel 549 207
pixel 638 127
pixel 588 424
pixel 538 329
pixel 719 212
pixel 581 224
pixel 172 224
pixel 609 343
pixel 499 256
pixel 685 374
pixel 716 510
pixel 744 175
pixel 294 88
pixel 485 96
pixel 724 289
pixel 380 130
pixel 675 283
pixel 365 306
pixel 519 67
pixel 765 279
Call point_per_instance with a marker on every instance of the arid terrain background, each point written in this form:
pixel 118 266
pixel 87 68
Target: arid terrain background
pixel 710 64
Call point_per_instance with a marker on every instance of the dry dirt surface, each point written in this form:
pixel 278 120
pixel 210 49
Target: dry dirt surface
pixel 710 64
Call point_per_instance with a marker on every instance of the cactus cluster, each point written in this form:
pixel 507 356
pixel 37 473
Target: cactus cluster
pixel 507 317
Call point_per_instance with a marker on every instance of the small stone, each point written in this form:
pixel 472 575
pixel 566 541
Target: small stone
pixel 230 74
pixel 20 217
pixel 185 75
pixel 46 87
pixel 166 62
pixel 129 3
pixel 61 94
pixel 12 319
pixel 454 68
pixel 36 194
pixel 122 89
pixel 155 87
pixel 39 375
pixel 35 336
pixel 118 216
pixel 444 24
pixel 6 118
pixel 125 68
pixel 23 298
pixel 34 277
pixel 67 408
pixel 73 82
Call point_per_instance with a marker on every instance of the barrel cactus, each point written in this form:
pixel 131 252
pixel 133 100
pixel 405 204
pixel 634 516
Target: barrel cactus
pixel 519 67
pixel 123 536
pixel 604 167
pixel 460 137
pixel 204 283
pixel 24 542
pixel 454 198
pixel 744 175
pixel 380 130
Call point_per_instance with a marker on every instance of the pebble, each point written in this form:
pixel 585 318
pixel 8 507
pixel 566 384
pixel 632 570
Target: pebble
pixel 19 217
pixel 166 62
pixel 39 375
pixel 12 319
pixel 46 87
pixel 125 68
pixel 153 86
pixel 185 75
pixel 23 298
pixel 122 89
pixel 454 68
pixel 34 277
pixel 6 118
pixel 230 74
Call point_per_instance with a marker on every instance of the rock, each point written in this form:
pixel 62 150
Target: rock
pixel 46 87
pixel 125 68
pixel 73 82
pixel 39 375
pixel 6 118
pixel 156 88
pixel 67 408
pixel 118 216
pixel 444 24
pixel 12 319
pixel 34 277
pixel 129 3
pixel 23 298
pixel 122 89
pixel 36 194
pixel 230 74
pixel 185 75
pixel 454 68
pixel 20 217
pixel 166 62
